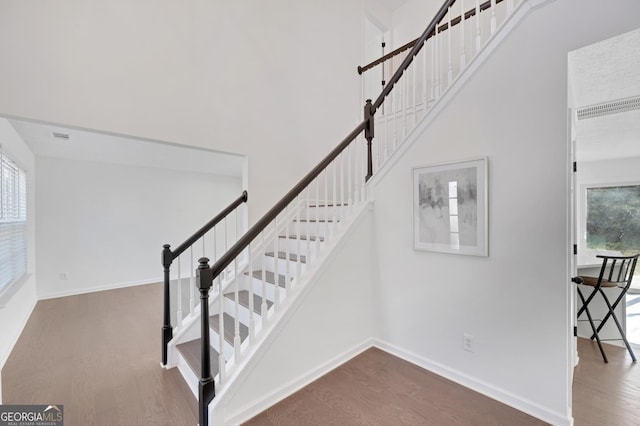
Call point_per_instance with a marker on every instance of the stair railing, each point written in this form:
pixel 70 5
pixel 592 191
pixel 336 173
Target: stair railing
pixel 338 180
pixel 211 246
pixel 434 62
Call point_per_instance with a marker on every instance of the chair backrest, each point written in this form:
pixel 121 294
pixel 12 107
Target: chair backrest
pixel 618 269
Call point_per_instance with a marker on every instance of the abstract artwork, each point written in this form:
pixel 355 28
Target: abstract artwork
pixel 450 207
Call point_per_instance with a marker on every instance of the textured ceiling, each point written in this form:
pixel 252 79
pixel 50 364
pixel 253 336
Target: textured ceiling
pixel 604 72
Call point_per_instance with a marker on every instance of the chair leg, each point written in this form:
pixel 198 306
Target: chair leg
pixel 615 319
pixel 593 327
pixel 612 309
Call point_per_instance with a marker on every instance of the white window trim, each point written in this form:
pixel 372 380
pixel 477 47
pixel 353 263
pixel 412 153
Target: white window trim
pixel 12 286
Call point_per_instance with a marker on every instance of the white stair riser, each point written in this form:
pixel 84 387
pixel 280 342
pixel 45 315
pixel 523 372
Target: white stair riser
pixel 214 340
pixel 323 213
pixel 311 228
pixel 292 245
pixel 270 265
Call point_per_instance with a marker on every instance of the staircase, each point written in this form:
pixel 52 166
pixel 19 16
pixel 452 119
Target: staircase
pixel 250 286
pixel 260 285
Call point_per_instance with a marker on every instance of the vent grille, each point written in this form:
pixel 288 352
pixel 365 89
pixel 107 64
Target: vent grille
pixel 615 107
pixel 60 136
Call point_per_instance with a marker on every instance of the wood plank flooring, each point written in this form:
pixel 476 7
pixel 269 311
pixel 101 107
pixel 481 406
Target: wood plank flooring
pixel 98 354
pixel 606 394
pixel 376 388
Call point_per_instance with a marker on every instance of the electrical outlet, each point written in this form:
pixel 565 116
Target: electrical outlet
pixel 467 342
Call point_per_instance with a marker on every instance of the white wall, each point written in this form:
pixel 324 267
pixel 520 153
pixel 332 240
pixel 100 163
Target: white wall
pixel 274 80
pixel 410 20
pixel 104 225
pixel 15 313
pixel 516 302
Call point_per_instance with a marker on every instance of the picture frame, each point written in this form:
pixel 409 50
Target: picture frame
pixel 450 212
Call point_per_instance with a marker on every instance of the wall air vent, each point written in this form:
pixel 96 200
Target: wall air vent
pixel 607 108
pixel 60 136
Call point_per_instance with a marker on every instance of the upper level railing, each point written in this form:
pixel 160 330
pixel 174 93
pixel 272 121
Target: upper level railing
pixel 169 256
pixel 450 24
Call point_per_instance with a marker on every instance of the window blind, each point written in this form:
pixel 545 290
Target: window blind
pixel 13 221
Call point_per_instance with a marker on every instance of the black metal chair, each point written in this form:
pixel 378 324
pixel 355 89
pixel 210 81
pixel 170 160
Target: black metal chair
pixel 615 272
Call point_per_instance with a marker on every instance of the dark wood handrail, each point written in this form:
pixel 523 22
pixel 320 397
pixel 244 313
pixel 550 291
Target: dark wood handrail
pixel 261 224
pixel 207 227
pixel 455 21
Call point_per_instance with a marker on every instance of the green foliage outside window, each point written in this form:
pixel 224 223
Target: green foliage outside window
pixel 613 218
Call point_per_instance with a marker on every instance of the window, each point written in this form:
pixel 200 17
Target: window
pixel 13 220
pixel 613 218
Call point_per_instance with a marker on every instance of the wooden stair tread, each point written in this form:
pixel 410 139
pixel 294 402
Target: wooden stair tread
pixel 243 299
pixel 292 256
pixel 229 327
pixel 269 277
pixel 191 352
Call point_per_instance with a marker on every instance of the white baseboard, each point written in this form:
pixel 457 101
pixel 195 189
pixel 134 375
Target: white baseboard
pixel 296 384
pixel 477 385
pixel 76 292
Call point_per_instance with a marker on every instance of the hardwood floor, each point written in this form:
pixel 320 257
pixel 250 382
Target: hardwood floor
pixel 98 355
pixel 377 388
pixel 606 394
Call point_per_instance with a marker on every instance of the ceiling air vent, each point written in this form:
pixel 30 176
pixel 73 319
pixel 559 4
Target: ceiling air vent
pixel 60 136
pixel 614 107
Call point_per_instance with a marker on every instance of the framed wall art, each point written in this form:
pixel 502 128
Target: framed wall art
pixel 450 212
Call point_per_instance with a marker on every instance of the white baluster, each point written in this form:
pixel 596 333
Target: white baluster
pixel 414 96
pixel 287 252
pixel 405 104
pixel 450 31
pixel 307 215
pixel 424 75
pixel 334 196
pixel 493 17
pixel 252 324
pixel 236 322
pixel 327 216
pixel 356 169
pixel 192 283
pixel 463 56
pixel 276 258
pixel 349 182
pixel 509 7
pixel 179 287
pixel 226 240
pixel 342 169
pixel 433 67
pixel 478 40
pixel 436 47
pixel 204 254
pixel 263 308
pixel 316 209
pixel 221 363
pixel 297 222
